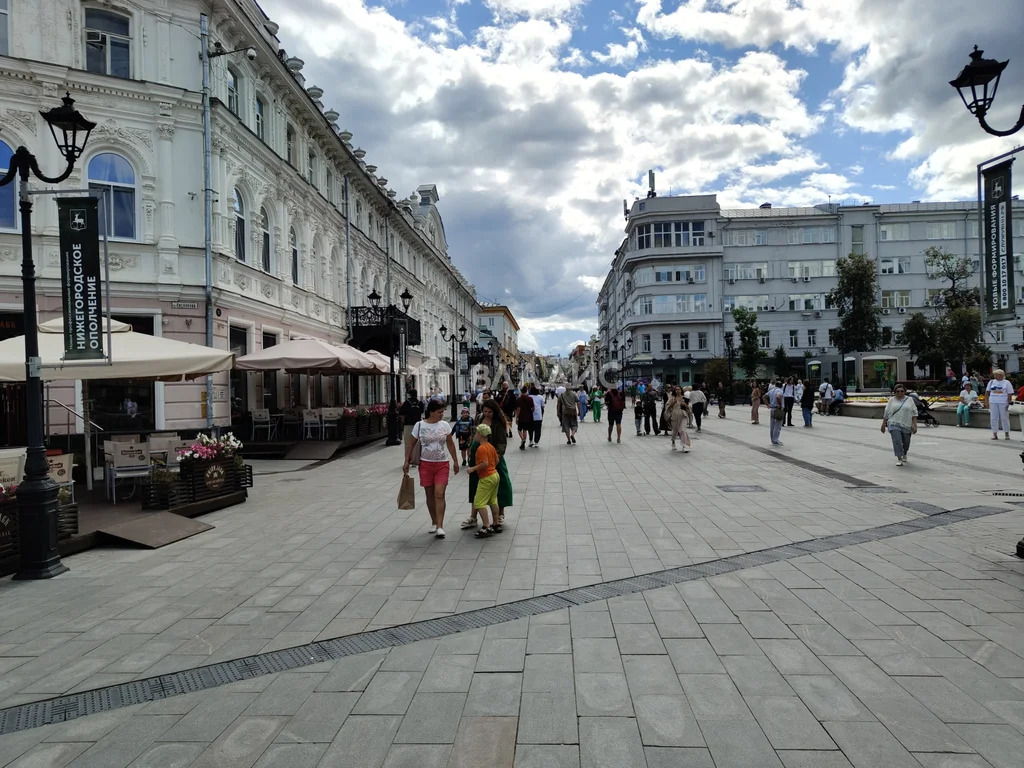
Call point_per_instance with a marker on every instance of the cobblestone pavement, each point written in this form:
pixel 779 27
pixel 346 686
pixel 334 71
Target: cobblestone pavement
pixel 906 651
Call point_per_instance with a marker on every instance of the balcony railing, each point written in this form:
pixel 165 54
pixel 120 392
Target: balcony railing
pixel 372 326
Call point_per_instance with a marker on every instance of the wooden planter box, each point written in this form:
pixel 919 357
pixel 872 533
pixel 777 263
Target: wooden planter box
pixel 348 428
pixel 67 526
pixel 364 425
pixel 198 481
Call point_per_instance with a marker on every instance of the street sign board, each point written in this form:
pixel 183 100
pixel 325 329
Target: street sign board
pixel 78 227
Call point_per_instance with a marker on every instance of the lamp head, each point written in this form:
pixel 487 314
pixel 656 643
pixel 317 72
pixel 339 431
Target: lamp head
pixel 374 299
pixel 975 79
pixel 406 298
pixel 443 329
pixel 73 129
pixel 462 332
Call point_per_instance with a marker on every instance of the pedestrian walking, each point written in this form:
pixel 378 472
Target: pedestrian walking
pixel 999 392
pixel 777 410
pixel 689 411
pixel 789 400
pixel 699 406
pixel 582 400
pixel 538 416
pixel 827 392
pixel 435 437
pixel 524 418
pixel 492 417
pixel 568 405
pixel 755 401
pixel 678 410
pixel 411 411
pixel 720 393
pixel 615 400
pixel 900 418
pixel 463 431
pixel 663 420
pixel 806 402
pixel 968 397
pixel 596 402
pixel 485 469
pixel 638 415
pixel 650 413
pixel 507 400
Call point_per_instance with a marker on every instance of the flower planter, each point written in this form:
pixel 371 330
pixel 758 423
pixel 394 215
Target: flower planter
pixel 363 421
pixel 67 521
pixel 349 428
pixel 8 531
pixel 218 477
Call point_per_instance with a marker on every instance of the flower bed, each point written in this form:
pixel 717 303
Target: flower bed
pixel 208 468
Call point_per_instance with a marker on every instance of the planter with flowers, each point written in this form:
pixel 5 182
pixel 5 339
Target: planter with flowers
pixel 213 467
pixel 349 428
pixel 363 420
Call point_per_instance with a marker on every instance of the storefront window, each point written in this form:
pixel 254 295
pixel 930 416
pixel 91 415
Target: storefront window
pixel 238 340
pixel 125 405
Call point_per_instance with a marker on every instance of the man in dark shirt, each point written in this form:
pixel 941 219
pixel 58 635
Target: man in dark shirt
pixel 615 402
pixel 411 411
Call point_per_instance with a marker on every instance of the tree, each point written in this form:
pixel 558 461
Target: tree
pixel 750 352
pixel 952 338
pixel 920 336
pixel 780 361
pixel 855 298
pixel 958 270
pixel 715 370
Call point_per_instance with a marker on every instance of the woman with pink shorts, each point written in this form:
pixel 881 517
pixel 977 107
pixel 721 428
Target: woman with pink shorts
pixel 434 435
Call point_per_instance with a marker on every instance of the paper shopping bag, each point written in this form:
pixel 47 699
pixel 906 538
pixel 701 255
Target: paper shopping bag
pixel 407 494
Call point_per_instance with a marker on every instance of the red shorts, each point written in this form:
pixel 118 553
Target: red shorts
pixel 434 473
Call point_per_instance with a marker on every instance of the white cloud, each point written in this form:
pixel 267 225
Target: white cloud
pixel 884 187
pixel 533 8
pixel 619 55
pixel 855 170
pixel 592 282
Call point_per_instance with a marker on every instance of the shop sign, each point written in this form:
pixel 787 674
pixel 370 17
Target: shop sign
pixel 997 276
pixel 78 226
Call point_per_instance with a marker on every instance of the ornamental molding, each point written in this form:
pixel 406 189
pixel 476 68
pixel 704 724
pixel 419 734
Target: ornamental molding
pixel 243 281
pixel 24 118
pixel 119 261
pixel 267 290
pixel 165 131
pixel 111 131
pixel 9 254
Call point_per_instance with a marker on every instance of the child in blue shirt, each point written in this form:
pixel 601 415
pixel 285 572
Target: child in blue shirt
pixel 463 430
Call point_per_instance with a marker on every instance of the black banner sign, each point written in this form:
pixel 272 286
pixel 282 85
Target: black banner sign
pixel 997 277
pixel 78 221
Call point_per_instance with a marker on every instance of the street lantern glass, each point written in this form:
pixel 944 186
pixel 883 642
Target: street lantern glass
pixel 374 299
pixel 976 77
pixel 70 130
pixel 406 298
pixel 462 332
pixel 444 330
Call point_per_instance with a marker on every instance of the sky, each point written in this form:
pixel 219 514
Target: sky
pixel 537 118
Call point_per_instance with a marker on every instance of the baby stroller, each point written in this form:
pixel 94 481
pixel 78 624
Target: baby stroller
pixel 924 411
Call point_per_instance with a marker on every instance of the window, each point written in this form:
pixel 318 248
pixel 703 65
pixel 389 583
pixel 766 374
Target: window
pixel 794 338
pixel 293 246
pixel 896 266
pixel 808 235
pixel 232 91
pixel 745 237
pixel 894 232
pixel 261 119
pixel 999 335
pixel 662 235
pixel 684 341
pixel 265 240
pixel 490 322
pixel 4 34
pixel 645 342
pixel 933 297
pixel 290 145
pixel 329 184
pixel 113 177
pixel 972 227
pixel 8 202
pixel 689 233
pixel 893 299
pixel 765 340
pixel 108 44
pixel 311 167
pixel 643 237
pixel 666 342
pixel 239 208
pixel 902 298
pixel 886 335
pixel 857 239
pixel 746 271
pixel 806 301
pixel 833 334
pixel 940 230
pixel 702 340
pixel 812 338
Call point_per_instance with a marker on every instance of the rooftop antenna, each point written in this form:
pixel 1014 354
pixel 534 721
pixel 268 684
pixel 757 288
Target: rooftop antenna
pixel 625 210
pixel 650 184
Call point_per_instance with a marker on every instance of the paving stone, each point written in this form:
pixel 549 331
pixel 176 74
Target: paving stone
pixel 631 609
pixel 418 756
pixel 362 741
pixel 639 639
pixel 610 742
pixel 547 673
pixel 319 718
pixel 813 759
pixel 414 657
pixel 678 757
pixel 209 718
pixel 433 718
pixel 729 639
pixel 448 674
pixel 552 638
pixel 494 694
pixel 126 742
pixel 915 726
pixel 676 624
pixel 761 624
pixel 55 755
pixel 594 654
pixel 547 718
pixel 650 674
pixel 389 693
pixel 788 724
pixel 461 643
pixel 502 655
pixel 869 745
pixel 286 694
pixel 590 624
pixel 292 756
pixel 241 744
pixel 947 701
pixel 484 741
pixel 351 674
pixel 756 676
pixel 1001 745
pixel 693 656
pixel 602 695
pixel 792 657
pixel 828 699
pixel 714 697
pixel 739 744
pixel 943 760
pixel 667 721
pixel 544 756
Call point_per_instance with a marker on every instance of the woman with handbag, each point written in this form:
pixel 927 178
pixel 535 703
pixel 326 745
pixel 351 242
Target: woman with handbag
pixel 900 418
pixel 433 436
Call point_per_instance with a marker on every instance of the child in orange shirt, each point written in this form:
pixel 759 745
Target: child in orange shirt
pixel 487 488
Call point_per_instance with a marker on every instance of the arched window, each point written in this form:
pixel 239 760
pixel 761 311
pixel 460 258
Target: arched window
pixel 293 246
pixel 265 241
pixel 8 201
pixel 114 178
pixel 108 43
pixel 232 91
pixel 239 207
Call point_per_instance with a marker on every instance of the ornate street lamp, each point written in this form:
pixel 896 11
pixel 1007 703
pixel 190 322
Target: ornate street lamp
pixel 37 493
pixel 974 81
pixel 375 298
pixel 406 298
pixel 461 336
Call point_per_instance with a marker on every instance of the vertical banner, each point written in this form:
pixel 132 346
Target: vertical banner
pixel 997 280
pixel 78 221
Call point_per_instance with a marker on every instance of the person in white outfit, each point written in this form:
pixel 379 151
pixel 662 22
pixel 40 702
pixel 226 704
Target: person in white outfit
pixel 999 392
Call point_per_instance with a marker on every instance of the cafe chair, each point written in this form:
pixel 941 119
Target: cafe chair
pixel 128 461
pixel 311 424
pixel 261 419
pixel 60 472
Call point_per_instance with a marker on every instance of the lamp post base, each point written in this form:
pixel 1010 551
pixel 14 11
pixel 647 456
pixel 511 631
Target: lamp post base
pixel 1020 548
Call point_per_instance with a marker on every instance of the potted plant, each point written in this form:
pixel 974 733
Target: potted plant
pixel 378 413
pixel 363 419
pixel 211 466
pixel 67 514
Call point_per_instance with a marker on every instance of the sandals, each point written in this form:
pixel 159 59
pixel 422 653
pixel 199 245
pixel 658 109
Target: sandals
pixel 483 533
pixel 497 528
pixel 469 522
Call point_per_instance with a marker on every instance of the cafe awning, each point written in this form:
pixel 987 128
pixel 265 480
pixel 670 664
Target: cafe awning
pixel 306 355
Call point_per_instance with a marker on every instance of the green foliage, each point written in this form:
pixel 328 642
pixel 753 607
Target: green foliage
pixel 919 334
pixel 750 352
pixel 855 297
pixel 943 265
pixel 950 338
pixel 780 361
pixel 715 370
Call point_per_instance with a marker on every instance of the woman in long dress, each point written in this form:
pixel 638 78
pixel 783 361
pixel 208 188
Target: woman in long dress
pixel 491 415
pixel 678 411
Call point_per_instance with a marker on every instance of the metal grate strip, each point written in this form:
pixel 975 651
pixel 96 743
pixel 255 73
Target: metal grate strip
pixel 62 708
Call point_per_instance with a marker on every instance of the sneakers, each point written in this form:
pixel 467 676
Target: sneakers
pixel 573 438
pixel 568 442
pixel 439 534
pixel 469 522
pixel 778 443
pixel 432 529
pixel 673 445
pixel 899 461
pixel 618 439
pixel 522 446
pixel 686 449
pixel 609 438
pixel 904 457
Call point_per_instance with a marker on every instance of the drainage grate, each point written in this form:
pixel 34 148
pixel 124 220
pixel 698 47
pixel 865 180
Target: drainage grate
pixel 68 707
pixel 875 489
pixel 1004 493
pixel 741 489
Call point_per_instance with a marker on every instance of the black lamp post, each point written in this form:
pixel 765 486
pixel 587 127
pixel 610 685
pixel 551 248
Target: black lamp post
pixel 37 493
pixel 390 310
pixel 495 349
pixel 626 346
pixel 461 336
pixel 731 354
pixel 976 78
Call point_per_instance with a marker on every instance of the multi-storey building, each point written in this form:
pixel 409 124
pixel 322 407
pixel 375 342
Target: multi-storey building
pixel 686 263
pixel 496 321
pixel 303 227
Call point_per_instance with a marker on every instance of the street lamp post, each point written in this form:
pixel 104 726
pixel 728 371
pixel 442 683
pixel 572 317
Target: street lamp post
pixel 731 353
pixel 390 310
pixel 626 346
pixel 461 336
pixel 37 493
pixel 495 349
pixel 974 81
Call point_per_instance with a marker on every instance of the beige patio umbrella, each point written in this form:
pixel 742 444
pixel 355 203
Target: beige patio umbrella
pixel 309 356
pixel 385 361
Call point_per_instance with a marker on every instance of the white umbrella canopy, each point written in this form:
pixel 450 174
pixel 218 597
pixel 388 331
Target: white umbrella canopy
pixel 134 356
pixel 385 362
pixel 304 355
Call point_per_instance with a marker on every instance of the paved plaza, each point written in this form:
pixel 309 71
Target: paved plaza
pixel 904 647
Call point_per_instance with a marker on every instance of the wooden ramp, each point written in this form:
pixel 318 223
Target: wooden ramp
pixel 155 529
pixel 316 450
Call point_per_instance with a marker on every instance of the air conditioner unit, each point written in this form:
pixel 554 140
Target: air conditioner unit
pixel 902 310
pixel 807 278
pixel 817 315
pixel 886 311
pixel 760 279
pixel 794 279
pixel 1020 301
pixel 772 309
pixel 690 280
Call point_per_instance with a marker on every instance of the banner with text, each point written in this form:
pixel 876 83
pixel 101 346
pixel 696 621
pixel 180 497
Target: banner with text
pixel 997 280
pixel 78 221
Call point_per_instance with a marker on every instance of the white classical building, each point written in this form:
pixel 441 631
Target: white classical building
pixel 685 263
pixel 303 226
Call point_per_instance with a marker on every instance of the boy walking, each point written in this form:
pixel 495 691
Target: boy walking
pixel 487 488
pixel 463 429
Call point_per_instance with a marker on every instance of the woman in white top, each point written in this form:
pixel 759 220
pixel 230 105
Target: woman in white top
pixel 968 397
pixel 436 444
pixel 900 417
pixel 999 391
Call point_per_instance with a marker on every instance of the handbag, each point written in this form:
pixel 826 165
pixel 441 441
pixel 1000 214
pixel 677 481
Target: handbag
pixel 778 414
pixel 407 493
pixel 414 456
